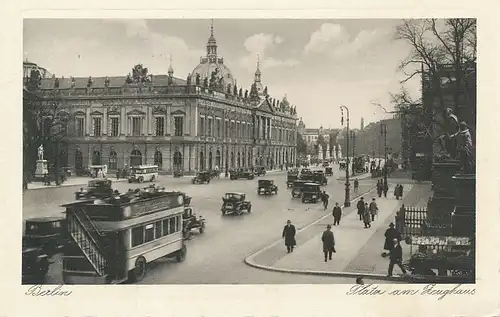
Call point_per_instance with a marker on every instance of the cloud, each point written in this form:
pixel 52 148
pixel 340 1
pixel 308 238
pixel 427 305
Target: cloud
pixel 335 40
pixel 260 44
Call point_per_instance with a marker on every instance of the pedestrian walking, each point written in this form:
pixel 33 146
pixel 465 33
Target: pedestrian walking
pixel 356 185
pixel 289 236
pixel 324 198
pixel 328 243
pixel 396 191
pixel 379 188
pixel 390 234
pixel 366 217
pixel 373 209
pixel 386 188
pixel 337 214
pixel 361 208
pixel 396 257
pixel 401 191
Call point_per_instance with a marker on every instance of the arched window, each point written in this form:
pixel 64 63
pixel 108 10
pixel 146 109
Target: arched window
pixel 113 162
pixel 177 161
pixel 96 158
pixel 78 160
pixel 135 158
pixel 217 159
pixel 210 159
pixel 239 160
pixel 158 159
pixel 202 161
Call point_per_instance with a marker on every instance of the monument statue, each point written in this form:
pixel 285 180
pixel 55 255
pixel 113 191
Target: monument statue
pixel 447 140
pixel 465 149
pixel 40 153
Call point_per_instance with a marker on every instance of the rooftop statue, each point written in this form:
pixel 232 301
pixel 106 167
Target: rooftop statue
pixel 197 79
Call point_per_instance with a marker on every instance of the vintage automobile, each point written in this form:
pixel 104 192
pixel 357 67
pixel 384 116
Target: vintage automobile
pixel 342 164
pixel 35 262
pixel 267 187
pixel 202 177
pixel 178 173
pixel 290 178
pixel 46 233
pixel 191 222
pixel 235 203
pixel 328 171
pixel 260 170
pixel 319 178
pixel 305 171
pixel 297 188
pixel 97 188
pixel 143 173
pixel 94 170
pixel 311 192
pixel 187 199
pixel 241 173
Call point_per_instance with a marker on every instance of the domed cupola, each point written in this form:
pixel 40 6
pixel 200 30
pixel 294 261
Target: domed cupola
pixel 212 66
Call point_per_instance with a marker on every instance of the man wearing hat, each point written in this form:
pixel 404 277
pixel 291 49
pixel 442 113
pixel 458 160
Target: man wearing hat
pixel 390 234
pixel 289 236
pixel 361 208
pixel 328 243
pixel 396 257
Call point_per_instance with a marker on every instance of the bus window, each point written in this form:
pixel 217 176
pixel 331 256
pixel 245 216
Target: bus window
pixel 165 227
pixel 172 225
pixel 158 229
pixel 178 224
pixel 137 236
pixel 149 233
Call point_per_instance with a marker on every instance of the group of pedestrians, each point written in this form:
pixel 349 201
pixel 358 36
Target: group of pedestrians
pixel 367 213
pixel 382 187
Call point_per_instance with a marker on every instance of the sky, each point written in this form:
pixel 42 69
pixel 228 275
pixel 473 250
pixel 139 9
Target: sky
pixel 318 64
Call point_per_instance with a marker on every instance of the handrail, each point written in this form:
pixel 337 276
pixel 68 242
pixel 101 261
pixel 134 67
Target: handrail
pixel 87 232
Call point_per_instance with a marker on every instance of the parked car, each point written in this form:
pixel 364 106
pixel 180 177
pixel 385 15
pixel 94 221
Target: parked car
pixel 235 203
pixel 260 170
pixel 97 188
pixel 202 177
pixel 328 171
pixel 297 188
pixel 267 187
pixel 311 192
pixel 319 178
pixel 191 222
pixel 290 178
pixel 35 262
pixel 46 233
pixel 241 173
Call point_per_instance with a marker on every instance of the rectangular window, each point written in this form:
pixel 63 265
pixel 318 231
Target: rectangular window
pixel 80 126
pixel 172 225
pixel 226 129
pixel 218 131
pixel 179 224
pixel 114 126
pixel 96 126
pixel 149 232
pixel 202 126
pixel 165 227
pixel 178 126
pixel 209 133
pixel 137 236
pixel 136 126
pixel 160 126
pixel 158 229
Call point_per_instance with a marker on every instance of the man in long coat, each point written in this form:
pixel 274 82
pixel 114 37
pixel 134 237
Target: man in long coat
pixel 337 214
pixel 328 243
pixel 361 208
pixel 289 236
pixel 390 234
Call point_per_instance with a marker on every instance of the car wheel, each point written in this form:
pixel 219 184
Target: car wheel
pixel 139 271
pixel 181 254
pixel 141 179
pixel 129 181
pixel 249 208
pixel 223 212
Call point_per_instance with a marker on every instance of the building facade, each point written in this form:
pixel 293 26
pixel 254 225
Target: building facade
pixel 196 124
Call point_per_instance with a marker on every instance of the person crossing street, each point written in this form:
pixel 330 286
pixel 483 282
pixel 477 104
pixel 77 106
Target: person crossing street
pixel 361 208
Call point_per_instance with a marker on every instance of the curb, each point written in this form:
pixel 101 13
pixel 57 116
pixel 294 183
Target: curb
pixel 250 262
pixel 70 185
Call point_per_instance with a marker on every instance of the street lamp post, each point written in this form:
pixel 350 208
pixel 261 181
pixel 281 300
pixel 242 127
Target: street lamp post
pixel 347 201
pixel 383 131
pixel 353 136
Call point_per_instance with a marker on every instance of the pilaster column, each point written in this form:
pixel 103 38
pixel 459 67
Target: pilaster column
pixel 123 121
pixel 88 121
pixel 105 122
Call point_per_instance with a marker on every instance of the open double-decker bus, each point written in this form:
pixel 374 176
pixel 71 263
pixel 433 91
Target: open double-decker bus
pixel 111 240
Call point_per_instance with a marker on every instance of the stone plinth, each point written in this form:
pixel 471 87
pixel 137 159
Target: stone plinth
pixel 42 168
pixel 442 178
pixel 464 214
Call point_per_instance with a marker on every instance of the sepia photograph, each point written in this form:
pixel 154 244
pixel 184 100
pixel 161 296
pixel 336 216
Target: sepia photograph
pixel 249 151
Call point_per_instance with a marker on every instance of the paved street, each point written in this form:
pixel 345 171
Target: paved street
pixel 217 255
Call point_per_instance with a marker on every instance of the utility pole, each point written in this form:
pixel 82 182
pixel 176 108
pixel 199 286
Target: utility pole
pixel 347 201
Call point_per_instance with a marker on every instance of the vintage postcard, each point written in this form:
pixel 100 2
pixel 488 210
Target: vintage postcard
pixel 174 162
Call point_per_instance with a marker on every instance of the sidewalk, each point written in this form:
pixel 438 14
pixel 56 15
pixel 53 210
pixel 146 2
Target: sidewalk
pixel 358 176
pixel 358 249
pixel 72 181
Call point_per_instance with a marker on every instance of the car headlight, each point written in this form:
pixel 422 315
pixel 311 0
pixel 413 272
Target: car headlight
pixel 314 196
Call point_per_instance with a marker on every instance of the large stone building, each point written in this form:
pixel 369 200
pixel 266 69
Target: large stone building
pixel 194 124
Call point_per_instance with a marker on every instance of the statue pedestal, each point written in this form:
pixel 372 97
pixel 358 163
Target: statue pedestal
pixel 42 168
pixel 463 218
